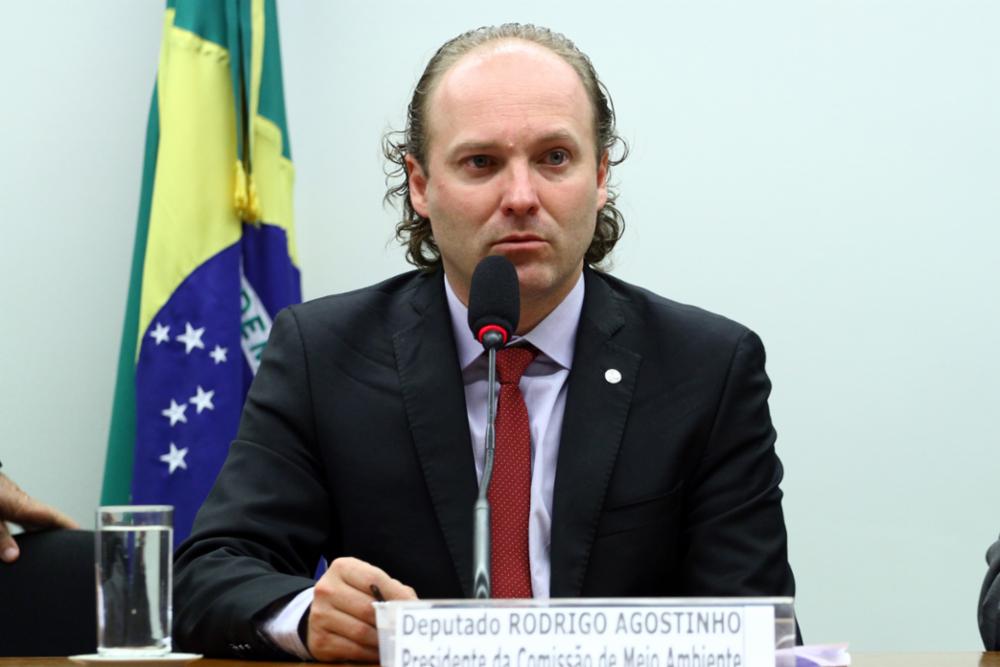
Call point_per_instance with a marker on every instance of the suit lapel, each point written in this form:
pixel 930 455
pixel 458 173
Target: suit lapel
pixel 593 424
pixel 434 397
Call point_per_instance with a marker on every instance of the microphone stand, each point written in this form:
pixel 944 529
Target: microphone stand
pixel 481 576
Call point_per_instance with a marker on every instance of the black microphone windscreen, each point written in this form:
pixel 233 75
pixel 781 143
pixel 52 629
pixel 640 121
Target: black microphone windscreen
pixel 494 297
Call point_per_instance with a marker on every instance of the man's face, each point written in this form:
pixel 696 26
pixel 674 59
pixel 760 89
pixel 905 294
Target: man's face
pixel 511 169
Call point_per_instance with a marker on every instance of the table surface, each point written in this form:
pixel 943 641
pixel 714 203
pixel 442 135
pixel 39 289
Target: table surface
pixel 969 659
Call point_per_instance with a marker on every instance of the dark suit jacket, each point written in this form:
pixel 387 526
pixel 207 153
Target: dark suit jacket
pixel 989 601
pixel 355 441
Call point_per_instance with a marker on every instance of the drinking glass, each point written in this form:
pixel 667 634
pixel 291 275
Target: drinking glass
pixel 134 551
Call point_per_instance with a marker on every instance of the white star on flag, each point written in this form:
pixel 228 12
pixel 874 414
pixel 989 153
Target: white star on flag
pixel 203 399
pixel 175 413
pixel 191 338
pixel 175 458
pixel 218 354
pixel 161 333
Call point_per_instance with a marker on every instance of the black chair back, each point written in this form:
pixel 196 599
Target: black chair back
pixel 48 598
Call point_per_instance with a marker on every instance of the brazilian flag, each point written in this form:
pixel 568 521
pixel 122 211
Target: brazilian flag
pixel 214 256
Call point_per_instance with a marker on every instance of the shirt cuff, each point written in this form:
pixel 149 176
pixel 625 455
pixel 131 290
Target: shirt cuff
pixel 283 627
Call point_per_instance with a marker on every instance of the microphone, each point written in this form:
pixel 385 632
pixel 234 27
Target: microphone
pixel 494 302
pixel 494 309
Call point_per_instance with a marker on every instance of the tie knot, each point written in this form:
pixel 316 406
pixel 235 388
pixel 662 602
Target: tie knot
pixel 513 361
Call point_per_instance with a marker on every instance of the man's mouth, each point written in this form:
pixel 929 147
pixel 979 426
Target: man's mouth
pixel 515 242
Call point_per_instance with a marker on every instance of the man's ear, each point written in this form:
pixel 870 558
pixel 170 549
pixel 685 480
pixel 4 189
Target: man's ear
pixel 417 179
pixel 602 181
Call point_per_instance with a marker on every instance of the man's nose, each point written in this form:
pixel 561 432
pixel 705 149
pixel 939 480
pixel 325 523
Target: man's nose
pixel 520 197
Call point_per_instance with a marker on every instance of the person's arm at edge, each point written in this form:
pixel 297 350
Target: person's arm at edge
pixel 989 600
pixel 20 508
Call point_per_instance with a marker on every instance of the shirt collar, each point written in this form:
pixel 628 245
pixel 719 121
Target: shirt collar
pixel 554 336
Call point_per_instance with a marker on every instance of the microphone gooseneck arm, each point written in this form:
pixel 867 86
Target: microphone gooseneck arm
pixel 482 577
pixel 494 310
pixel 491 418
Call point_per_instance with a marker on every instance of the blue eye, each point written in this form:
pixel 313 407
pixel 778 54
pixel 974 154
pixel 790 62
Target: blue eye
pixel 556 157
pixel 479 161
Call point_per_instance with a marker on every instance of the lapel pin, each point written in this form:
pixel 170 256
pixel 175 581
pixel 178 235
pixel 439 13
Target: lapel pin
pixel 613 376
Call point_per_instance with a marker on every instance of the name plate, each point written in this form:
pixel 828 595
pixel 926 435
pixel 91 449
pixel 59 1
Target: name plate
pixel 575 634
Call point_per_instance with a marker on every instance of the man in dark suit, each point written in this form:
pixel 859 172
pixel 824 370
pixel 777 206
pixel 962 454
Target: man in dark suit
pixel 653 471
pixel 989 601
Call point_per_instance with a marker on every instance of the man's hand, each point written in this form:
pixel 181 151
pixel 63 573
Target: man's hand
pixel 342 619
pixel 22 509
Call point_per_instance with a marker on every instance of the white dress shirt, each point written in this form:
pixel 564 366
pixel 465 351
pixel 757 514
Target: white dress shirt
pixel 544 386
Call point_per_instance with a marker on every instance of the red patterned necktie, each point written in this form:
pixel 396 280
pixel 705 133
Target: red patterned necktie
pixel 510 488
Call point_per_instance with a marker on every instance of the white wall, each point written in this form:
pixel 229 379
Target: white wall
pixel 75 86
pixel 826 172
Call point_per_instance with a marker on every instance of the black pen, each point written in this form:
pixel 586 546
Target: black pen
pixel 376 593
